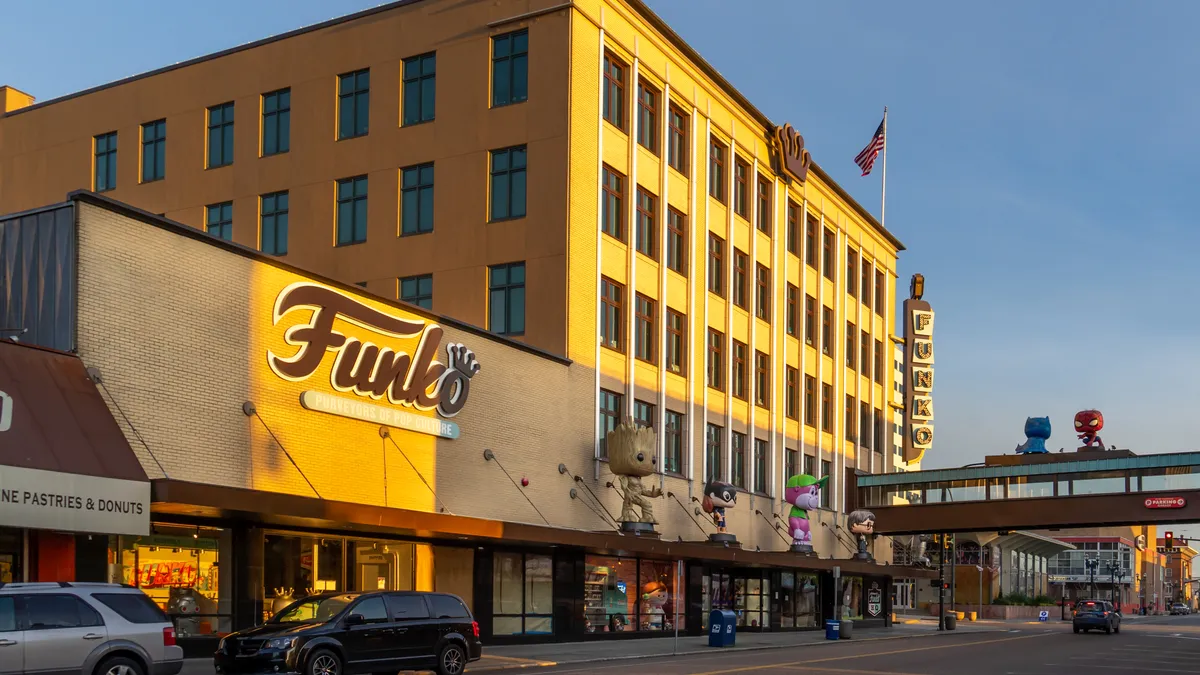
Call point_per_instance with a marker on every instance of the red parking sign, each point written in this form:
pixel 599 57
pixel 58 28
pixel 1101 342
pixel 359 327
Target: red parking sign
pixel 1165 502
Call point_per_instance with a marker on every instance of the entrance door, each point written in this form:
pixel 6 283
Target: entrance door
pixel 10 556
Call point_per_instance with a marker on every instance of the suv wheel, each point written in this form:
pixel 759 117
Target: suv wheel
pixel 324 662
pixel 120 665
pixel 452 660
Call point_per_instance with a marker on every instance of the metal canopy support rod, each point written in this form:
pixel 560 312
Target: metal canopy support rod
pixel 249 410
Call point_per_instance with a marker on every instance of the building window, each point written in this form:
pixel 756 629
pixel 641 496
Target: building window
pixel 273 225
pixel 791 404
pixel 826 495
pixel 510 68
pixel 760 466
pixel 762 380
pixel 716 268
pixel 867 275
pixel 878 362
pixel 506 299
pixel 740 366
pixel 741 188
pixel 712 452
pixel 793 309
pixel 810 241
pixel 610 417
pixel 676 345
pixel 791 463
pixel 826 407
pixel 716 171
pixel 810 320
pixel 740 262
pixel 864 424
pixel 218 220
pixel 614 91
pixel 508 183
pixel 647 122
pixel 827 255
pixel 827 331
pixel 810 401
pixel 851 347
pixel 420 89
pixel 764 206
pixel 793 227
pixel 762 305
pixel 677 140
pixel 522 594
pixel 612 215
pixel 611 297
pixel 716 348
pixel 849 417
pixel 351 211
pixel 105 155
pixel 220 135
pixel 880 289
pixel 643 414
pixel 644 335
pixel 877 424
pixel 354 103
pixel 676 241
pixel 673 442
pixel 276 122
pixel 154 151
pixel 810 466
pixel 416 199
pixel 417 290
pixel 644 236
pixel 738 453
pixel 851 272
pixel 865 350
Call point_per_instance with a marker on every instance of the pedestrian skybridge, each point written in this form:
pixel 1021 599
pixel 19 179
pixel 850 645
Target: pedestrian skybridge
pixel 1079 489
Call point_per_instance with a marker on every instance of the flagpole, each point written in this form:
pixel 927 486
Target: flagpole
pixel 883 205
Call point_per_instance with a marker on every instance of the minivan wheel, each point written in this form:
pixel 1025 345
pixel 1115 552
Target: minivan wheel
pixel 120 665
pixel 452 660
pixel 324 662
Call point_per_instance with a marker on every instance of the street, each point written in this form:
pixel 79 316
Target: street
pixel 1151 645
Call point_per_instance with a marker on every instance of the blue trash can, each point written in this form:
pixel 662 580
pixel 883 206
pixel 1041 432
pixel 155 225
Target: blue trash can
pixel 833 629
pixel 722 628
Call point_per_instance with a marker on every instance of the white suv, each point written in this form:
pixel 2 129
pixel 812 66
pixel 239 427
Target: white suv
pixel 92 629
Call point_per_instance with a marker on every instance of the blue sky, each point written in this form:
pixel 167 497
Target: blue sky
pixel 1040 172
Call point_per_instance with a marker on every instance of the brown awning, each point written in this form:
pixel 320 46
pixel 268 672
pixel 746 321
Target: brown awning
pixel 287 510
pixel 52 417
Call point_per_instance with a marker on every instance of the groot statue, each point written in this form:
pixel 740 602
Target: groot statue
pixel 631 458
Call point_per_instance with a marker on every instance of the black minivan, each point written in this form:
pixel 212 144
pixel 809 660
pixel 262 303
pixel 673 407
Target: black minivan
pixel 349 633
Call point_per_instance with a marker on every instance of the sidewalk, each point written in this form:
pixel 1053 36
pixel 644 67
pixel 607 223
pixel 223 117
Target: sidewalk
pixel 514 657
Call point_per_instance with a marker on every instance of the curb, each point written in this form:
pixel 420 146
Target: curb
pixel 698 652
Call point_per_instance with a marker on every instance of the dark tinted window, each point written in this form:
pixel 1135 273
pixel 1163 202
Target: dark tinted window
pixel 372 609
pixel 8 614
pixel 405 607
pixel 57 611
pixel 448 607
pixel 133 607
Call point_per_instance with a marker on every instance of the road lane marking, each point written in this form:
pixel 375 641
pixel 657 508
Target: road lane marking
pixel 1144 669
pixel 845 671
pixel 863 656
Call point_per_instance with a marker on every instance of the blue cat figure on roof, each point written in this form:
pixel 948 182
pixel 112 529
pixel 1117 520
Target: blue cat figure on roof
pixel 1037 430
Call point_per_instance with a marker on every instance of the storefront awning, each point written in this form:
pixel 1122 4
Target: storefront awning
pixel 65 465
pixel 199 500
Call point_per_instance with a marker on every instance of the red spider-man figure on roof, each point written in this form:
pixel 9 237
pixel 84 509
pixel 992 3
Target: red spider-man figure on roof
pixel 1087 423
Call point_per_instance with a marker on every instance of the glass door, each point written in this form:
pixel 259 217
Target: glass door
pixel 10 555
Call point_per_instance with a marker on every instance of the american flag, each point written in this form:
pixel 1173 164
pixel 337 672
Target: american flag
pixel 866 159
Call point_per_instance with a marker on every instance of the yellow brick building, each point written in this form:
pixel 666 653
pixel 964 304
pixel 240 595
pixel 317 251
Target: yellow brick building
pixel 676 266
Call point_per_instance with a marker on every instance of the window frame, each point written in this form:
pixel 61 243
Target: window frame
pixel 158 147
pixel 810 402
pixel 737 456
pixel 354 99
pixel 222 222
pixel 812 226
pixel 850 432
pixel 741 187
pixel 792 323
pixel 274 213
pixel 353 200
pixel 608 175
pixel 507 290
pixel 827 331
pixel 717 188
pixel 714 363
pixel 677 241
pixel 764 206
pixel 281 111
pixel 107 156
pixel 740 291
pixel 678 147
pixel 866 292
pixel 761 449
pixel 716 265
pixel 419 79
pixel 739 377
pixel 826 407
pixel 851 345
pixel 828 243
pixel 509 62
pixel 608 414
pixel 418 297
pixel 417 191
pixel 646 228
pixel 673 426
pixel 851 272
pixel 864 425
pixel 793 227
pixel 762 380
pixel 676 343
pixel 224 129
pixel 791 393
pixel 647 111
pixel 880 291
pixel 810 321
pixel 509 173
pixel 864 349
pixel 612 314
pixel 714 451
pixel 615 71
pixel 877 376
pixel 762 294
pixel 645 329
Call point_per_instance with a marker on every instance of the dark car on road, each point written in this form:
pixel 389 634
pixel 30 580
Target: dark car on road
pixel 348 633
pixel 1098 614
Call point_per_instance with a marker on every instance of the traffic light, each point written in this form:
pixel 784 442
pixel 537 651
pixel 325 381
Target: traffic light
pixel 1169 540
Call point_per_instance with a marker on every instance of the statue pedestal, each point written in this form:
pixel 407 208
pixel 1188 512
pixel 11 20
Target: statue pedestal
pixel 863 556
pixel 639 529
pixel 803 549
pixel 723 538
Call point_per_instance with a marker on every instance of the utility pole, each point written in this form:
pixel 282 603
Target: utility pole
pixel 942 584
pixel 953 566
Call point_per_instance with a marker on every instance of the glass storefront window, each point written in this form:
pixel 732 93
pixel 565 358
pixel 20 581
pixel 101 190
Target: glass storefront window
pixel 658 588
pixel 382 566
pixel 628 594
pixel 298 566
pixel 11 546
pixel 522 594
pixel 851 600
pixel 179 569
pixel 752 602
pixel 800 605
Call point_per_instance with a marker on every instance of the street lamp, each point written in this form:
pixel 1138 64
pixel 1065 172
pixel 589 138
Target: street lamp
pixel 1117 573
pixel 1092 564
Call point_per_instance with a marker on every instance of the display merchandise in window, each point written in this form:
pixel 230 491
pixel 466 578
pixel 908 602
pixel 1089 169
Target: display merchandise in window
pixel 181 574
pixel 851 598
pixel 627 594
pixel 800 605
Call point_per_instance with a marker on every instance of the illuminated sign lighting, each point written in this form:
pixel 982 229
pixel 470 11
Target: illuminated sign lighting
pixel 377 414
pixel 918 369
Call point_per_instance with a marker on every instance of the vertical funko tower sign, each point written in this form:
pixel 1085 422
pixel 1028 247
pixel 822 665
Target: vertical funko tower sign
pixel 918 372
pixel 377 358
